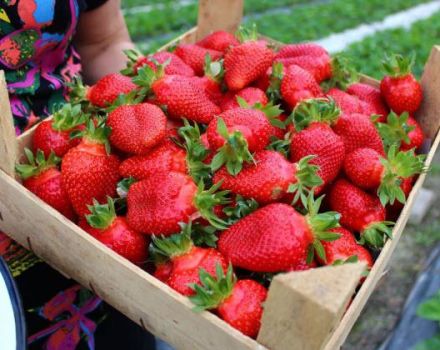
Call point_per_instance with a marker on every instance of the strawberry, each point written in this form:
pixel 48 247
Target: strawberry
pixel 349 104
pixel 358 131
pixel 270 177
pixel 246 62
pixel 401 90
pixel 42 177
pixel 238 303
pixel 164 158
pixel 236 133
pixel 181 96
pixel 137 128
pixel 114 232
pixel 372 96
pixel 251 95
pixel 402 130
pixel 277 238
pixel 345 249
pixel 194 56
pixel 360 212
pixel 88 171
pixel 367 169
pixel 54 135
pixel 163 271
pixel 219 41
pixel 314 136
pixel 185 259
pixel 302 49
pixel 108 88
pixel 159 203
pixel 212 80
pixel 298 85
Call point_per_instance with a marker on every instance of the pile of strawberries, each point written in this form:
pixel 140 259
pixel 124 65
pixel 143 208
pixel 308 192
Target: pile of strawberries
pixel 221 163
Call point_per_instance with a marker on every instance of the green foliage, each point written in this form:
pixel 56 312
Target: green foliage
pixel 430 310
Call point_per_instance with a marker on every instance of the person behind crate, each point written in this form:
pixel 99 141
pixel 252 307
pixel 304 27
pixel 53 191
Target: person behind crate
pixel 43 45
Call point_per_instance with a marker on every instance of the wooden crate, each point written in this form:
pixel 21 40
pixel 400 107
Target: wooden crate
pixel 304 310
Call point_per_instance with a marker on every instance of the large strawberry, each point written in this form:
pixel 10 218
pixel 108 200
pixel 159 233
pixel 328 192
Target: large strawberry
pixel 108 88
pixel 88 171
pixel 349 103
pixel 54 135
pixel 159 203
pixel 270 178
pixel 235 134
pixel 401 90
pixel 314 136
pixel 185 260
pixel 367 169
pixel 114 232
pixel 360 212
pixel 42 177
pixel 246 62
pixel 298 85
pixel 238 303
pixel 219 41
pixel 277 238
pixel 137 128
pixel 251 95
pixel 194 56
pixel 372 96
pixel 182 96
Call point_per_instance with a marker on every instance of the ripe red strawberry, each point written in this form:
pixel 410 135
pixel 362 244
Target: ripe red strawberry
pixel 108 88
pixel 166 157
pixel 42 177
pixel 372 96
pixel 194 56
pixel 298 85
pixel 181 96
pixel 302 49
pixel 246 62
pixel 114 232
pixel 211 82
pixel 137 128
pixel 186 260
pixel 238 303
pixel 360 212
pixel 236 133
pixel 54 135
pixel 88 172
pixel 276 237
pixel 416 136
pixel 349 104
pixel 219 41
pixel 314 136
pixel 159 203
pixel 357 130
pixel 400 89
pixel 367 169
pixel 251 95
pixel 269 178
pixel 163 271
pixel 345 249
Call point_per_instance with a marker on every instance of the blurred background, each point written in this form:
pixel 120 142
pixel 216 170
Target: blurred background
pixel 365 30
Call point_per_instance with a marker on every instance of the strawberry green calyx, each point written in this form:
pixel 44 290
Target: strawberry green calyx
pixel 196 152
pixel 349 260
pixel 320 225
pixel 204 235
pixel 214 70
pixel 77 91
pixel 270 110
pixel 68 117
pixel 244 34
pixel 212 291
pixel 398 66
pixel 36 165
pixel 206 200
pixel 398 165
pixel 174 245
pixel 240 208
pixel 377 233
pixel 273 91
pixel 307 178
pixel 133 56
pixel 95 133
pixel 281 145
pixel 396 130
pixel 233 153
pixel 343 74
pixel 102 215
pixel 322 110
pixel 146 76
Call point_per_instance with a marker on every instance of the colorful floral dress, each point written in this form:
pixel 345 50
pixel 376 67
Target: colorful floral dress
pixel 38 58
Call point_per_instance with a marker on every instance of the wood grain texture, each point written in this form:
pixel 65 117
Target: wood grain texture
pixel 8 143
pixel 219 14
pixel 429 113
pixel 304 307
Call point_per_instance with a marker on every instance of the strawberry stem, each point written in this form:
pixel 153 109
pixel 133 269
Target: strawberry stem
pixel 397 65
pixel 102 215
pixel 247 34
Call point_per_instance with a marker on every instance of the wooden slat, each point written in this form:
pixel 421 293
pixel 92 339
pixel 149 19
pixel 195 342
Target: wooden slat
pixel 219 14
pixel 8 143
pixel 129 289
